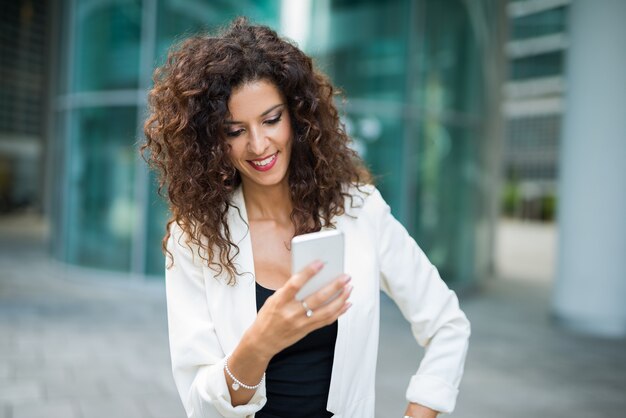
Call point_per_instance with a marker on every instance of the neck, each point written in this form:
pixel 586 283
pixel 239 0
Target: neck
pixel 267 202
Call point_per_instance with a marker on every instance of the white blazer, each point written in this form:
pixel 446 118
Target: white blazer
pixel 207 317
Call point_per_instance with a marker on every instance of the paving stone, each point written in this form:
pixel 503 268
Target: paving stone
pixel 17 360
pixel 67 358
pixel 49 409
pixel 115 407
pixel 132 387
pixel 74 389
pixel 43 373
pixel 164 407
pixel 15 392
pixel 140 372
pixel 166 381
pixel 81 372
pixel 5 371
pixel 6 345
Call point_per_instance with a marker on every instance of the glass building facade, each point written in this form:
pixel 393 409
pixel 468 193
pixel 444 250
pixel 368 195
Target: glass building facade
pixel 23 85
pixel 534 103
pixel 416 74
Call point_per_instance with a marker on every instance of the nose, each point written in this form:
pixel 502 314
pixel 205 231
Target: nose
pixel 257 142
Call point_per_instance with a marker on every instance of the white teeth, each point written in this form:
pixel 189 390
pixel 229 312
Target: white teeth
pixel 265 161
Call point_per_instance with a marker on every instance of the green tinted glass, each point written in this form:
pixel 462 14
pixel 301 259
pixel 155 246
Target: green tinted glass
pixel 414 76
pixel 107 40
pixel 366 59
pixel 449 187
pixel 178 19
pixel 101 205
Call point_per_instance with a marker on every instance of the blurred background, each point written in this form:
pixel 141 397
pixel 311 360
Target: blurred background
pixel 497 132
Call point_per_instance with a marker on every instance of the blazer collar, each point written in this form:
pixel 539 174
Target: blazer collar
pixel 237 307
pixel 238 218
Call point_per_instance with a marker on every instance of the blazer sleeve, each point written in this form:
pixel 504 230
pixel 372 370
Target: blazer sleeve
pixel 196 353
pixel 432 309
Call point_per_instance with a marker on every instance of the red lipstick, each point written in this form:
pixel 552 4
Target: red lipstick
pixel 269 162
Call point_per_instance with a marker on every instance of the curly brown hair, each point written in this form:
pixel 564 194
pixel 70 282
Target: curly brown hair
pixel 187 145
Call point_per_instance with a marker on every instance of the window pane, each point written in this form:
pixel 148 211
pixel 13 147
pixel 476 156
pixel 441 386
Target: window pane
pixel 450 74
pixel 101 179
pixel 451 194
pixel 538 66
pixel 178 19
pixel 539 24
pixel 369 66
pixel 107 45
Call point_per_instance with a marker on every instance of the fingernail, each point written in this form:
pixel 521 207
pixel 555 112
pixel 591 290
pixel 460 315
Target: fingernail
pixel 349 289
pixel 317 265
pixel 349 306
pixel 347 279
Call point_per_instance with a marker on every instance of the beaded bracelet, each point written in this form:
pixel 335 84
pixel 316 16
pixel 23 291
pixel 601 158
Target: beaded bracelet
pixel 236 383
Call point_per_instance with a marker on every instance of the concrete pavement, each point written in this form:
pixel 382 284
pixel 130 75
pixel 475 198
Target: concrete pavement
pixel 76 343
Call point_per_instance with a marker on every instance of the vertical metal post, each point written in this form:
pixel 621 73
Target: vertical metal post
pixel 142 186
pixel 410 140
pixel 66 194
pixel 49 182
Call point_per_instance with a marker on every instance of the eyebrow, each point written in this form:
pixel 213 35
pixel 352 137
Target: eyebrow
pixel 234 122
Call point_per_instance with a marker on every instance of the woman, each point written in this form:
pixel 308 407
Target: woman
pixel 245 136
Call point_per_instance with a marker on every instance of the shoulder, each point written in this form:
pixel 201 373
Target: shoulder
pixel 177 235
pixel 362 198
pixel 182 242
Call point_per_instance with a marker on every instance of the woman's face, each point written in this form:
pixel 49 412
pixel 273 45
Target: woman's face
pixel 259 133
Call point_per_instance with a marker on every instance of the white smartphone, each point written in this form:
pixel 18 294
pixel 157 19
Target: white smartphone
pixel 326 246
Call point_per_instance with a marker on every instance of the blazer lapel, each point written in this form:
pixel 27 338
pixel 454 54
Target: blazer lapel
pixel 237 305
pixel 342 345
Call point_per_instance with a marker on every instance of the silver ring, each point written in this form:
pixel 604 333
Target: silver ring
pixel 309 311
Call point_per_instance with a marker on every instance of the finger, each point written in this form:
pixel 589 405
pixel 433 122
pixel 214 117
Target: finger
pixel 330 314
pixel 323 296
pixel 298 280
pixel 331 311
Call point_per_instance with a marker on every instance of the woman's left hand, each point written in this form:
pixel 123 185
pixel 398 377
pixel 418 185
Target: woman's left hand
pixel 415 410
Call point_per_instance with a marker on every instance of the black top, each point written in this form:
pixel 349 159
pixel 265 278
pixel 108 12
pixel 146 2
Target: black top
pixel 297 379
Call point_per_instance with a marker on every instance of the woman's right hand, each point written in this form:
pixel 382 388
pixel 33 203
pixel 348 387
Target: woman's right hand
pixel 282 320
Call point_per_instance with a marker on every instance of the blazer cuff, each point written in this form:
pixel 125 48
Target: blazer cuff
pixel 217 387
pixel 432 392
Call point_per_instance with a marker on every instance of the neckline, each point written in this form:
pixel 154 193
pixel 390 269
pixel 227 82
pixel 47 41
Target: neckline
pixel 243 214
pixel 239 201
pixel 264 288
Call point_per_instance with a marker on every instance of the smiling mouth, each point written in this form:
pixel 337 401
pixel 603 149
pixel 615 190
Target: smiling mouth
pixel 265 163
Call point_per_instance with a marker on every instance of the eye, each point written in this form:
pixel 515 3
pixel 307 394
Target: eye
pixel 275 120
pixel 233 134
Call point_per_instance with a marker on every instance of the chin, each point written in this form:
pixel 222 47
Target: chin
pixel 264 180
pixel 268 182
